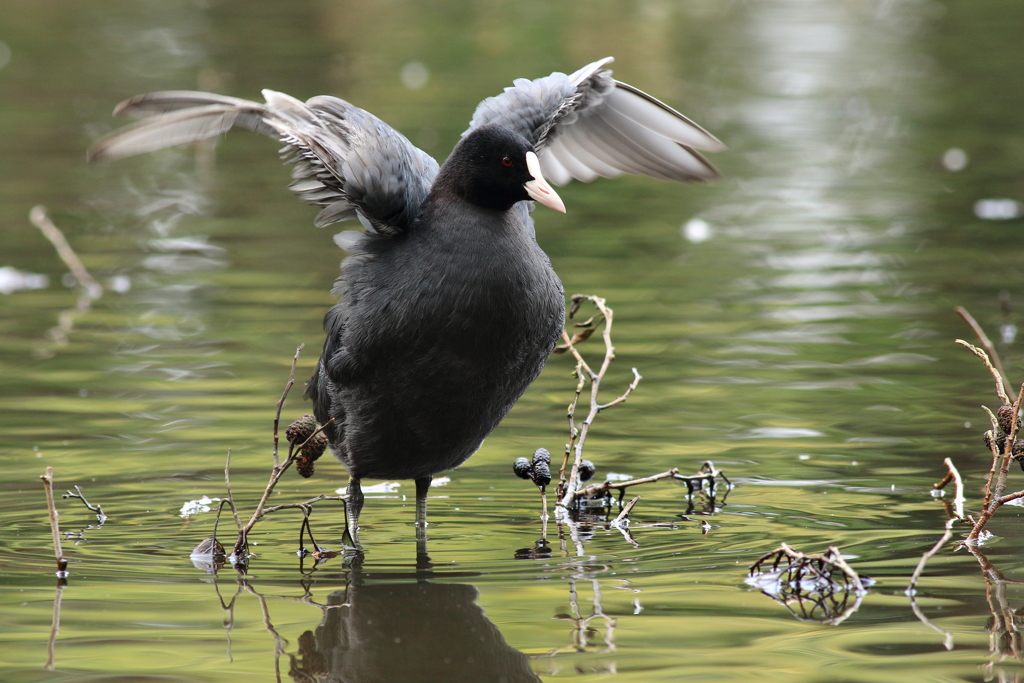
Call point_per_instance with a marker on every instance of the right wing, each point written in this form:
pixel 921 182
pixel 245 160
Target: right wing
pixel 587 124
pixel 344 159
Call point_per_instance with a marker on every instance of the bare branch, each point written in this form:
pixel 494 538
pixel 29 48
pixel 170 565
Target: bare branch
pixel 573 433
pixel 98 509
pixel 58 553
pixel 227 485
pixel 284 395
pixel 625 395
pixel 569 494
pixel 994 492
pixel 953 475
pixel 89 292
pixel 305 504
pixel 594 490
pixel 626 509
pixel 985 341
pixel 41 220
pixel 1012 496
pixel 996 374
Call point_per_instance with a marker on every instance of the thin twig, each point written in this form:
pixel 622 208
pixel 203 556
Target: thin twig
pixel 275 476
pixel 98 509
pixel 595 384
pixel 985 341
pixel 594 489
pixel 42 221
pixel 58 553
pixel 996 374
pixel 227 485
pixel 90 290
pixel 1012 496
pixel 625 395
pixel 624 514
pixel 1006 459
pixel 953 475
pixel 284 395
pixel 993 468
pixel 306 504
pixel 1011 436
pixel 573 432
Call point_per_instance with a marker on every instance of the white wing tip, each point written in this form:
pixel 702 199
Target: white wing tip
pixel 279 100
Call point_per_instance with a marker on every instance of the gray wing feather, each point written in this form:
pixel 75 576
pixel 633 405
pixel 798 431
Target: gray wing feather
pixel 587 124
pixel 343 158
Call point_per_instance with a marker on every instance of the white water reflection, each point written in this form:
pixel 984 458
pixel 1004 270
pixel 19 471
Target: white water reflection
pixel 170 287
pixel 817 218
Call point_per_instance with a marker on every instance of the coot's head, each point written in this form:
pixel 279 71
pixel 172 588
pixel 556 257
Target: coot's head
pixel 495 167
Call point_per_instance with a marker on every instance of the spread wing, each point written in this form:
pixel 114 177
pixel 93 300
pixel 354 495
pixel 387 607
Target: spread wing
pixel 587 124
pixel 344 159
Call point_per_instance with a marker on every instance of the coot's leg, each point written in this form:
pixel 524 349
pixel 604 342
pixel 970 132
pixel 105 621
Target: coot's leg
pixel 353 506
pixel 422 486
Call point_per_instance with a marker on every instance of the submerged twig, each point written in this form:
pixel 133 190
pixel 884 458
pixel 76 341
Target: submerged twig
pixel 58 597
pixel 912 586
pixel 911 590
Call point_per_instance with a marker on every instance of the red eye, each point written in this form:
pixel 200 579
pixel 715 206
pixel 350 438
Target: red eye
pixel 506 161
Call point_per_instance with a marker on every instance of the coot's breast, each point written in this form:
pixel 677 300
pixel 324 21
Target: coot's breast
pixel 451 325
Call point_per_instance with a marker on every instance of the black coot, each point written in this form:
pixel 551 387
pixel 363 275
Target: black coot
pixel 448 307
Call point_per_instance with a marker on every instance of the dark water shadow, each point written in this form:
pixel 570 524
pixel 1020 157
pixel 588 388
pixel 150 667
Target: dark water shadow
pixel 407 631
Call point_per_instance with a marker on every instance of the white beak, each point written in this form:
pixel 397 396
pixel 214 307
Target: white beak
pixel 538 188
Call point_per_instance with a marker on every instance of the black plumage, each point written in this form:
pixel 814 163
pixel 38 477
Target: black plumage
pixel 448 306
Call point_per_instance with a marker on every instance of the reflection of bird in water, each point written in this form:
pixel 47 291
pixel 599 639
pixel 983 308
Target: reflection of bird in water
pixel 408 633
pixel 450 307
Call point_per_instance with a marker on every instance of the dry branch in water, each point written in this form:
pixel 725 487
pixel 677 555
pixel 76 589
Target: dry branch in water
pixel 58 552
pixel 575 471
pixel 98 509
pixel 1002 440
pixel 567 487
pixel 305 444
pixel 986 342
pixel 1004 447
pixel 814 587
